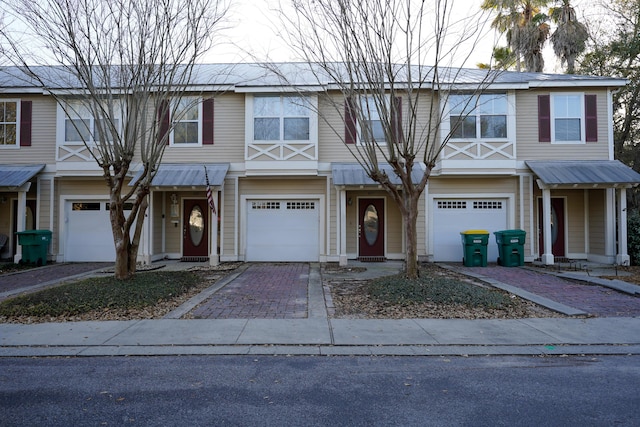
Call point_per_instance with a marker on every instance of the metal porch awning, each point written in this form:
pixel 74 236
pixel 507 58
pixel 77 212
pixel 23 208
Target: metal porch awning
pixel 584 173
pixel 188 175
pixel 15 176
pixel 354 174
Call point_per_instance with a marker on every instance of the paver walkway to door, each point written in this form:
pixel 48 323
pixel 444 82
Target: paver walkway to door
pixel 262 291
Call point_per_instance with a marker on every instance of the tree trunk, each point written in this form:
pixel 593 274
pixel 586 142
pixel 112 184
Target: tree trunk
pixel 410 216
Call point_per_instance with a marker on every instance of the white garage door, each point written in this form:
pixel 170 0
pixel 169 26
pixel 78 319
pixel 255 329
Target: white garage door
pixel 283 230
pixel 89 236
pixel 451 216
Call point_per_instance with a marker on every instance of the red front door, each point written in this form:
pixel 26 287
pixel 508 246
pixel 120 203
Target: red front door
pixel 371 228
pixel 195 228
pixel 557 227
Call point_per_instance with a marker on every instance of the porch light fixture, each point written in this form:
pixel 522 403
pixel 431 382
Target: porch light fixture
pixel 174 205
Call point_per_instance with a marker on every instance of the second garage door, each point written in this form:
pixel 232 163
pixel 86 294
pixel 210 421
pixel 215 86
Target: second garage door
pixel 451 216
pixel 283 230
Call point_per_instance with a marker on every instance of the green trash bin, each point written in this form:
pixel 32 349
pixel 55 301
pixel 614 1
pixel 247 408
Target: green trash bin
pixel 35 246
pixel 510 247
pixel 474 244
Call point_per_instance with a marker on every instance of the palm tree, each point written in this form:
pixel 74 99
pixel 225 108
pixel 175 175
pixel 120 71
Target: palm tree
pixel 525 27
pixel 569 38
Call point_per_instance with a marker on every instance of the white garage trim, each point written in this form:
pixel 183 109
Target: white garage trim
pixel 318 199
pixel 507 199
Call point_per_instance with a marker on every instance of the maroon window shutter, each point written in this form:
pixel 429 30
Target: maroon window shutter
pixel 591 118
pixel 544 118
pixel 163 121
pixel 396 120
pixel 207 121
pixel 350 131
pixel 25 123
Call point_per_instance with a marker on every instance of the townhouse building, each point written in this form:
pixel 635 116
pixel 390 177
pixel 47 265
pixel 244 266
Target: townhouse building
pixel 536 153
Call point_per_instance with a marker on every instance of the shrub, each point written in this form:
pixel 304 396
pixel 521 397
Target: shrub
pixel 633 237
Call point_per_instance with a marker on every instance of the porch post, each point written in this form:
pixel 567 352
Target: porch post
pixel 547 255
pixel 147 234
pixel 214 257
pixel 622 258
pixel 21 220
pixel 342 226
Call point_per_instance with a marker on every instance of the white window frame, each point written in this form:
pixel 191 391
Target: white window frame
pixel 18 119
pixel 311 101
pixel 553 109
pixel 371 114
pixel 475 112
pixel 197 102
pixel 62 117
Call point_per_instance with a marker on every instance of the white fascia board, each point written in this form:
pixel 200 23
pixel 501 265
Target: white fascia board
pixel 579 83
pixel 279 89
pixel 485 85
pixel 23 90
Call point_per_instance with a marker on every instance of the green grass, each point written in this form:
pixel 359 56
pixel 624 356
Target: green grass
pixel 142 290
pixel 436 289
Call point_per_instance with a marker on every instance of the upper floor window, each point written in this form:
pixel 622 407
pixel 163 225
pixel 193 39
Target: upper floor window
pixel 373 129
pixel 478 116
pixel 80 125
pixel 8 123
pixel 186 122
pixel 277 118
pixel 567 118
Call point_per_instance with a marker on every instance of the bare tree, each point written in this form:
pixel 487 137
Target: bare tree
pixel 374 54
pixel 126 64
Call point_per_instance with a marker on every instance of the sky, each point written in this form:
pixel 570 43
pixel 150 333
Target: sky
pixel 254 36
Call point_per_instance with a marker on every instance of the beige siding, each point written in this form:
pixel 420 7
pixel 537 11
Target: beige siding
pixel 229 135
pixel 158 210
pixel 331 128
pixel 43 133
pixel 229 216
pixel 596 222
pixel 528 147
pixel 475 185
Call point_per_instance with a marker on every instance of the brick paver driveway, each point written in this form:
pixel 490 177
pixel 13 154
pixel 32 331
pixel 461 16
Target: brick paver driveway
pixel 262 291
pixel 596 300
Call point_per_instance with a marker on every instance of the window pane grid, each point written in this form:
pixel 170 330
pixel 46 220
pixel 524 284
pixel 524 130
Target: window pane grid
pixel 278 118
pixel 483 116
pixel 8 122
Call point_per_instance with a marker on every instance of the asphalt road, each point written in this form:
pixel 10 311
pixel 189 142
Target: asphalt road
pixel 320 391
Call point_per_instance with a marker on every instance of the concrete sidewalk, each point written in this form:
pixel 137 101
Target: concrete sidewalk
pixel 320 335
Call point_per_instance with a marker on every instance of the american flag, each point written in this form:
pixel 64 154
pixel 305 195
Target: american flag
pixel 209 193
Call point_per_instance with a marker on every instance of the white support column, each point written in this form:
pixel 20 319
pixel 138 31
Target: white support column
pixel 622 258
pixel 610 225
pixel 214 257
pixel 147 233
pixel 547 254
pixel 21 215
pixel 342 226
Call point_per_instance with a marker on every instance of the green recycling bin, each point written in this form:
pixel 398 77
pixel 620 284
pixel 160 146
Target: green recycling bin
pixel 35 245
pixel 510 247
pixel 474 244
